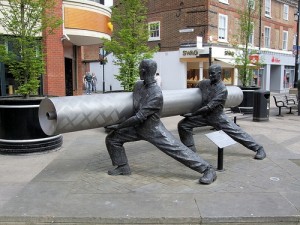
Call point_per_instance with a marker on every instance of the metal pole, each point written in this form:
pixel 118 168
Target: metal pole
pixel 220 159
pixel 259 36
pixel 297 48
pixel 210 60
pixel 103 71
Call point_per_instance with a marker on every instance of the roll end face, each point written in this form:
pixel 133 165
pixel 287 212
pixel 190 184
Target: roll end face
pixel 48 117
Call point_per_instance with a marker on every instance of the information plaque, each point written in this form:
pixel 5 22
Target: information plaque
pixel 221 139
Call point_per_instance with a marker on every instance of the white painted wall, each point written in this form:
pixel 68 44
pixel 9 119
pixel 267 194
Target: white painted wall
pixel 109 78
pixel 171 70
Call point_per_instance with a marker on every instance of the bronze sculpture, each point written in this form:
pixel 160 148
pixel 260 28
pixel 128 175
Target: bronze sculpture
pixel 145 124
pixel 211 113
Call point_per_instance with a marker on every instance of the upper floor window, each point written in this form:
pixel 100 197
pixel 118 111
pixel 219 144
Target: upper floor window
pixel 268 8
pixel 224 1
pixel 285 12
pixel 223 27
pixel 251 4
pixel 285 40
pixel 154 31
pixel 251 36
pixel 98 1
pixel 267 35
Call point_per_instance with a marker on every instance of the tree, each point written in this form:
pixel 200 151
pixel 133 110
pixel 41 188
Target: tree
pixel 129 40
pixel 24 22
pixel 243 50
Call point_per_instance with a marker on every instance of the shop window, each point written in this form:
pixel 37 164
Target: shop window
pixel 227 76
pixel 192 78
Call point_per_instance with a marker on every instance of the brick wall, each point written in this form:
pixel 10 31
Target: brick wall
pixel 202 16
pixel 54 78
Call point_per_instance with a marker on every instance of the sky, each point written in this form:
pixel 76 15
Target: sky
pixel 108 2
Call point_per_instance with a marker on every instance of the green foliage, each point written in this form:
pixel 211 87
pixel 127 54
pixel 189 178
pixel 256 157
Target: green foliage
pixel 243 50
pixel 25 21
pixel 129 40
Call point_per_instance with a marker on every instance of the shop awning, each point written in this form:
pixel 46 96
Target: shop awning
pixel 230 62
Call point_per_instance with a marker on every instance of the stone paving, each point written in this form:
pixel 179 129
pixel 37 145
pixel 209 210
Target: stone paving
pixel 71 185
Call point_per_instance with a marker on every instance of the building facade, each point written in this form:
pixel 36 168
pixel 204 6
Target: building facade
pixel 70 50
pixel 193 34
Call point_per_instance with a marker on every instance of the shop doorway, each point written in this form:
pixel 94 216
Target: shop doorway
pixel 69 76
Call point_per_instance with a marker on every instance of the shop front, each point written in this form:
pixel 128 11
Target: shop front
pixel 198 61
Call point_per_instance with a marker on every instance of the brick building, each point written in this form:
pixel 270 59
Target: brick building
pixel 180 28
pixel 71 49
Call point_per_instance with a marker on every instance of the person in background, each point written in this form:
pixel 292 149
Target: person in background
pixel 158 79
pixel 88 82
pixel 94 83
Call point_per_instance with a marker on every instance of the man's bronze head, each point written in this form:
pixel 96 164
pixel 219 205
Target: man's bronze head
pixel 215 73
pixel 147 69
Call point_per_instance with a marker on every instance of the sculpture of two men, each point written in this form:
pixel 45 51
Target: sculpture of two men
pixel 145 124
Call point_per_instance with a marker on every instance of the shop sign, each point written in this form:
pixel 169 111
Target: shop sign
pixel 275 60
pixel 254 59
pixel 190 52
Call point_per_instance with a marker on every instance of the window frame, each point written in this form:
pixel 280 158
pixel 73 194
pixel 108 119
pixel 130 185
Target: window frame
pixel 251 37
pixel 268 7
pixel 154 38
pixel 268 45
pixel 285 40
pixel 225 17
pixel 285 15
pixel 253 5
pixel 224 1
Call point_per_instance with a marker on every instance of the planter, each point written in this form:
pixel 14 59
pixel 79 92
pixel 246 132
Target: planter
pixel 246 106
pixel 20 130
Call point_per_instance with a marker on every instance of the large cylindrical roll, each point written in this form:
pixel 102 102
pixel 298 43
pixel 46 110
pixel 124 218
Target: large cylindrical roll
pixel 74 113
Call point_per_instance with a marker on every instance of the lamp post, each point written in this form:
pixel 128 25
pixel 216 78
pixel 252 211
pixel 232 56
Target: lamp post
pixel 102 62
pixel 297 48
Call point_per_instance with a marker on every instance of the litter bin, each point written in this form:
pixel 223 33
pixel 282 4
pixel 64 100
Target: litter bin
pixel 261 105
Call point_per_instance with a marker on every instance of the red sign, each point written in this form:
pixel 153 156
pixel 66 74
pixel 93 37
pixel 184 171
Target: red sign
pixel 275 60
pixel 254 58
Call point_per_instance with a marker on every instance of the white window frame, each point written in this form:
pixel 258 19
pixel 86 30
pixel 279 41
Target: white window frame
pixel 267 39
pixel 151 32
pixel 285 15
pixel 253 3
pixel 251 37
pixel 268 8
pixel 224 1
pixel 222 29
pixel 285 38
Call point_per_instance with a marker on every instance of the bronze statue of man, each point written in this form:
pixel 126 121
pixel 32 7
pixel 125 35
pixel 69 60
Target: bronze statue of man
pixel 146 125
pixel 211 113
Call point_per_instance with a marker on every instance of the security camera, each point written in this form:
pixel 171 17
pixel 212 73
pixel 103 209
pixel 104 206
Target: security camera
pixel 65 37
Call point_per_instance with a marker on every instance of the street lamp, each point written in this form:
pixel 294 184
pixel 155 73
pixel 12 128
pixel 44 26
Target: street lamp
pixel 297 47
pixel 102 54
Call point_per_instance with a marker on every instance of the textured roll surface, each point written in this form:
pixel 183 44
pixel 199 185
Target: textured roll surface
pixel 74 113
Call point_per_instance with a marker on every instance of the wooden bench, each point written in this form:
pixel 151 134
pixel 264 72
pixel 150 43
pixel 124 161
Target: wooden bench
pixel 281 101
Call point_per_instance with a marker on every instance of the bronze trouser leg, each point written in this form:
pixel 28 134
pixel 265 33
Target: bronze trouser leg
pixel 114 144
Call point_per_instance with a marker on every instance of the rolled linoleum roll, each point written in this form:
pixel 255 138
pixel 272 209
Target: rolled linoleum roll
pixel 73 113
